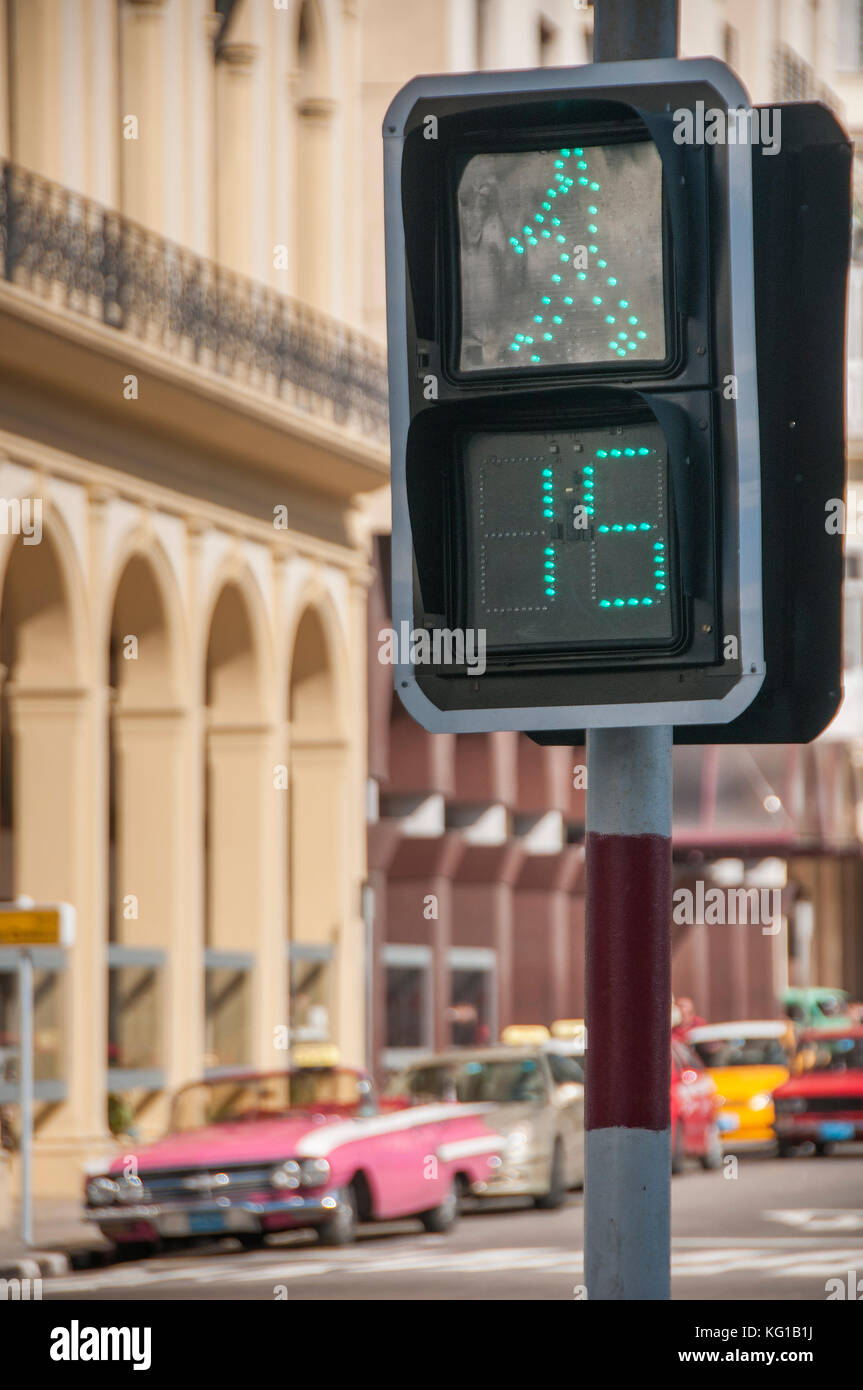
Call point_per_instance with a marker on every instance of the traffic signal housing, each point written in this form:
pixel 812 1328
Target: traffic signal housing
pixel 574 398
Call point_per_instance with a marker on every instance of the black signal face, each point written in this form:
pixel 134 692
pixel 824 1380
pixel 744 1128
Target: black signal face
pixel 569 541
pixel 560 256
pixel 570 291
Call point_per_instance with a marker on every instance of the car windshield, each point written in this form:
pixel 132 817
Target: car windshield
pixel 741 1052
pixel 230 1100
pixel 836 1054
pixel 500 1081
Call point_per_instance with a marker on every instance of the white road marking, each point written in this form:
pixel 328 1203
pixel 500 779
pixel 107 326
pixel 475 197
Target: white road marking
pixel 822 1219
pixel 711 1257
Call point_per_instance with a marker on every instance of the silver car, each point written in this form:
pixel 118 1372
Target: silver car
pixel 532 1096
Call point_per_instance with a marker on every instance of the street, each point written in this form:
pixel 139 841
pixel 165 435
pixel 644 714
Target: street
pixel 779 1231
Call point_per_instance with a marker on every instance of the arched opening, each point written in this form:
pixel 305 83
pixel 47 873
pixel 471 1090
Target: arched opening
pixel 234 828
pixel 40 749
pixel 144 766
pixel 315 834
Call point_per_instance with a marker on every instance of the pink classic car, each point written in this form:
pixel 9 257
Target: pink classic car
pixel 250 1153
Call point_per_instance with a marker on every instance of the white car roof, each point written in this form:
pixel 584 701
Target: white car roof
pixel 748 1028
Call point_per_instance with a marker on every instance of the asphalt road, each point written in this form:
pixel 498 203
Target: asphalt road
pixel 778 1230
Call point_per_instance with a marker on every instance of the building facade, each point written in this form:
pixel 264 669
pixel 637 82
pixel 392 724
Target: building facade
pixel 189 419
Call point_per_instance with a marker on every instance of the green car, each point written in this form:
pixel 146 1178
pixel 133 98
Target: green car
pixel 817 1007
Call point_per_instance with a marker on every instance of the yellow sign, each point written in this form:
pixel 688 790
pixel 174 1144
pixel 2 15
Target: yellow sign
pixel 573 1028
pixel 315 1055
pixel 37 926
pixel 524 1034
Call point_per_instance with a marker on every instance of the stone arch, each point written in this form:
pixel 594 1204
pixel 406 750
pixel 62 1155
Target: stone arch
pixel 238 666
pixel 50 766
pixel 145 602
pixel 42 655
pixel 146 745
pixel 317 678
pixel 316 830
pixel 238 815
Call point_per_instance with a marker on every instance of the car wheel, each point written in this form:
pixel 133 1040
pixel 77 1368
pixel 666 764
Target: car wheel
pixel 341 1227
pixel 556 1194
pixel 442 1218
pixel 128 1250
pixel 678 1154
pixel 783 1148
pixel 712 1156
pixel 252 1240
pixel 822 1149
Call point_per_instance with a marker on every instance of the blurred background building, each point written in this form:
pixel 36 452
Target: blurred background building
pixel 199 748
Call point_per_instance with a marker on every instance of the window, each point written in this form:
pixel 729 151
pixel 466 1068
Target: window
pixel 730 45
pixel 565 1070
pixel 48 1008
pixel 496 1082
pixel 472 1011
pixel 852 627
pixel 311 981
pixel 482 33
pixel 134 1016
pixel 546 35
pixel 227 1008
pixel 408 1019
pixel 849 50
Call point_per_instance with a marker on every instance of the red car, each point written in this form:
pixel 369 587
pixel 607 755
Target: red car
pixel 250 1153
pixel 695 1105
pixel 823 1103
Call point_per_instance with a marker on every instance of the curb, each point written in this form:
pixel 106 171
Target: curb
pixel 39 1263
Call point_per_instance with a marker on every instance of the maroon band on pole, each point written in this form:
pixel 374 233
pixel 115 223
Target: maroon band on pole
pixel 628 974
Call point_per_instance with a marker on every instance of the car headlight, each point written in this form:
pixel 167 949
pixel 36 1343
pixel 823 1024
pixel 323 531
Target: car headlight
pixel 101 1192
pixel 314 1172
pixel 308 1172
pixel 130 1190
pixel 286 1175
pixel 761 1101
pixel 518 1138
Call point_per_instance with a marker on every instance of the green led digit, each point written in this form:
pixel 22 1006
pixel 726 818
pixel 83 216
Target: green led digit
pixel 630 526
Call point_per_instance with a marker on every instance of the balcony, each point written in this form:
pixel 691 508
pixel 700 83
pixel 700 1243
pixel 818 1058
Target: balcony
pixel 93 268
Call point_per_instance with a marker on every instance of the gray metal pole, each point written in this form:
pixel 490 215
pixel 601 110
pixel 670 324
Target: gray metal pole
pixel 368 908
pixel 628 959
pixel 627 1192
pixel 25 1085
pixel 634 29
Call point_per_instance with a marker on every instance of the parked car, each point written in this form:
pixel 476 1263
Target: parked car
pixel 568 1036
pixel 532 1098
pixel 695 1102
pixel 695 1105
pixel 251 1153
pixel 822 1103
pixel 817 1007
pixel 747 1061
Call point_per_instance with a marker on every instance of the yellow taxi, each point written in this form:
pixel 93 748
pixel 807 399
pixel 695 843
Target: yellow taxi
pixel 747 1060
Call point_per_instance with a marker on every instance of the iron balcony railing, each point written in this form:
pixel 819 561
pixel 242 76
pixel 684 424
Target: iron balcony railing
pixel 56 243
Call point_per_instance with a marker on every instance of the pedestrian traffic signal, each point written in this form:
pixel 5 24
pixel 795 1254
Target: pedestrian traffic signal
pixel 574 397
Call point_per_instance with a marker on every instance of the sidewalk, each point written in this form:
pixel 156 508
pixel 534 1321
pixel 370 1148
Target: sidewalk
pixel 60 1238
